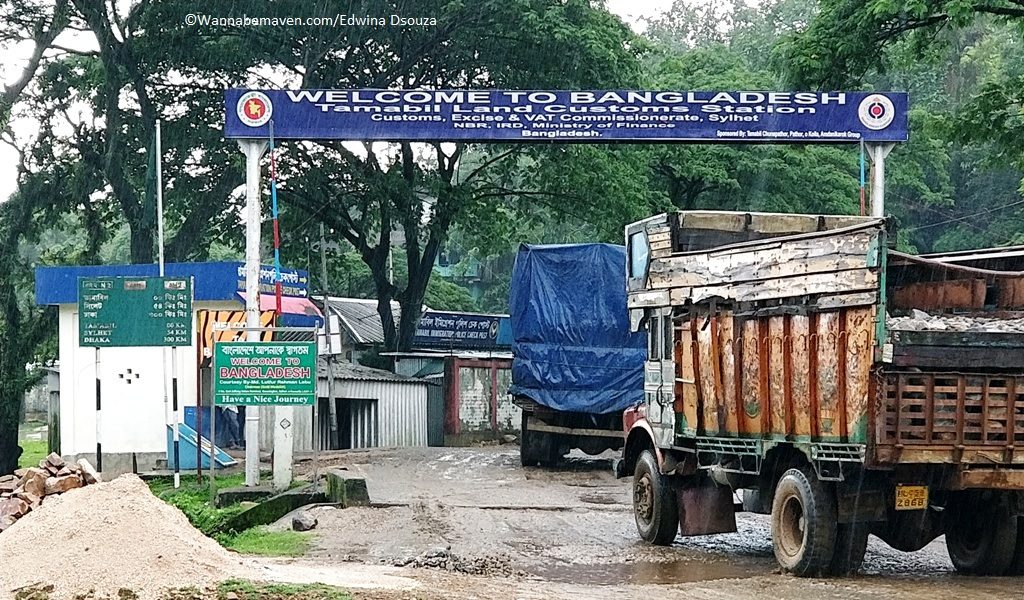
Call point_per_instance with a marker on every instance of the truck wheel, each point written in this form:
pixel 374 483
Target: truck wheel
pixel 654 502
pixel 550 450
pixel 851 545
pixel 980 535
pixel 527 444
pixel 803 524
pixel 1017 564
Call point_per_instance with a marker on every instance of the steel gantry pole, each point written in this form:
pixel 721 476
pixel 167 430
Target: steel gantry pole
pixel 878 151
pixel 253 150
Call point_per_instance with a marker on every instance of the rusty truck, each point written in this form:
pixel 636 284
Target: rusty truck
pixel 799 367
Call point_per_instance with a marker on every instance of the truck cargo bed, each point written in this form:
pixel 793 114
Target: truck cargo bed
pixel 950 417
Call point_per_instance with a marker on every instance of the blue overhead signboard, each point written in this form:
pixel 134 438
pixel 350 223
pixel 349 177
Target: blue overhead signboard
pixel 568 116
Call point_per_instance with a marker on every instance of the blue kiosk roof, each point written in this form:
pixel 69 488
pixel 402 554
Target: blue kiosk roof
pixel 213 280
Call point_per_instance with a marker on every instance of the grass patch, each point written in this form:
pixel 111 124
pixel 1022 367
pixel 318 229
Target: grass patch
pixel 249 590
pixel 264 542
pixel 33 451
pixel 193 499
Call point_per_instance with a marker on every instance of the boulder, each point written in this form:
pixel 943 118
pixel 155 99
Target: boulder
pixel 32 499
pixel 13 507
pixel 64 471
pixel 303 521
pixel 34 482
pixel 59 485
pixel 54 459
pixel 4 478
pixel 52 470
pixel 8 486
pixel 89 474
pixel 5 522
pixel 19 473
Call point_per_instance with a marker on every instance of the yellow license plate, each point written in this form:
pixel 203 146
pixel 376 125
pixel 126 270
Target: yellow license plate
pixel 911 497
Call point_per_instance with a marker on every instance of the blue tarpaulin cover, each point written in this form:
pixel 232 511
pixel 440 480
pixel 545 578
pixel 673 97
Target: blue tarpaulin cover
pixel 572 347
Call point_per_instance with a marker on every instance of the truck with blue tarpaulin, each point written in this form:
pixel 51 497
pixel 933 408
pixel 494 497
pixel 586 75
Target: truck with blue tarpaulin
pixel 576 366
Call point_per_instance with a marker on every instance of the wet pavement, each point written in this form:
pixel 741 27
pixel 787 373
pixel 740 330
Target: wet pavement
pixel 489 528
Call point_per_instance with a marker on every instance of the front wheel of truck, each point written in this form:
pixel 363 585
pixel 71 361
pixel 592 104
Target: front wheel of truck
pixel 981 534
pixel 803 524
pixel 654 502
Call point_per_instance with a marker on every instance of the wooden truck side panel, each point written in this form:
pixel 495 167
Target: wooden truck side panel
pixel 774 337
pixel 796 377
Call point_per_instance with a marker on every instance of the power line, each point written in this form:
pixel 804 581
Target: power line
pixel 977 214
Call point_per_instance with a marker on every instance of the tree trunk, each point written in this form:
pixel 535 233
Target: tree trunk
pixel 142 243
pixel 10 404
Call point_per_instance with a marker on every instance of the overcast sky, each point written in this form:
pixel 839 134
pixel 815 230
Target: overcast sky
pixel 631 11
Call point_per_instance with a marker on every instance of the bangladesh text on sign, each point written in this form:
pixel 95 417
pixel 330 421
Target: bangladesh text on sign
pixel 134 311
pixel 264 373
pixel 568 116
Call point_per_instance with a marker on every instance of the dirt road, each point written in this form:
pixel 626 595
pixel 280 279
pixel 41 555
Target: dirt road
pixel 472 523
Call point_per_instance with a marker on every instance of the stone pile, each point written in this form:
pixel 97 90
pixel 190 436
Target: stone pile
pixel 26 489
pixel 918 320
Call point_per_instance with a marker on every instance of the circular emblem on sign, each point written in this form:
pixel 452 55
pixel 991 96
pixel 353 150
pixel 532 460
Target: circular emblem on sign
pixel 876 112
pixel 493 329
pixel 254 109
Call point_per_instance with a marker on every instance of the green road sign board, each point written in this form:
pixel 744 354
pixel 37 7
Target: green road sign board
pixel 134 311
pixel 264 373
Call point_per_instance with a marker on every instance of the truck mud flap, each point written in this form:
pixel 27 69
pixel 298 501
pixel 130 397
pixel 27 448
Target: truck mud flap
pixel 705 507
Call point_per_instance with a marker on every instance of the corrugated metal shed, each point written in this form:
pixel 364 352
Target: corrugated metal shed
pixel 359 316
pixel 373 408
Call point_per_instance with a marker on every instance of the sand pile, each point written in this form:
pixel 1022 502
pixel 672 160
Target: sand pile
pixel 110 536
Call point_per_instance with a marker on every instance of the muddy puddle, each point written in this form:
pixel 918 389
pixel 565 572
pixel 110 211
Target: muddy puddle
pixel 663 573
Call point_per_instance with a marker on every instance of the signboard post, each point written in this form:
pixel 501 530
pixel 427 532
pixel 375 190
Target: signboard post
pixel 267 373
pixel 132 312
pixel 530 116
pixel 457 330
pixel 264 373
pixel 568 115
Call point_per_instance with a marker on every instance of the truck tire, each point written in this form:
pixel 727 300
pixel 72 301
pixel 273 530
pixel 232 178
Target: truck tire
pixel 981 534
pixel 1017 564
pixel 528 444
pixel 851 545
pixel 803 524
pixel 549 450
pixel 654 502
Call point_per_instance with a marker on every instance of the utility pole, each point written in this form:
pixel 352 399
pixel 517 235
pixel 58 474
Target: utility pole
pixel 253 150
pixel 333 426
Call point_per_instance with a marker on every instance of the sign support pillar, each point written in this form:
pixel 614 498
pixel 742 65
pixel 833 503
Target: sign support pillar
pixel 878 151
pixel 253 150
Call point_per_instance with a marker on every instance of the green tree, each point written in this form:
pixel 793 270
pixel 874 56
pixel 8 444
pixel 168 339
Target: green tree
pixel 421 190
pixel 957 180
pixel 22 326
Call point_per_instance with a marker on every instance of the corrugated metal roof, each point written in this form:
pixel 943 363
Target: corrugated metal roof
pixel 359 316
pixel 357 372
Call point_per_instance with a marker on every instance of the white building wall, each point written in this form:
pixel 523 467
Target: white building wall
pixel 510 416
pixel 133 415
